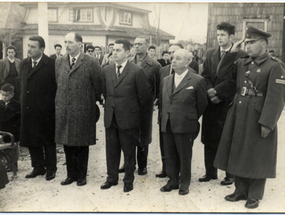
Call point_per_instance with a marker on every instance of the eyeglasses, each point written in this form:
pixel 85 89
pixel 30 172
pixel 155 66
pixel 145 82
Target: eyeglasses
pixel 138 44
pixel 90 51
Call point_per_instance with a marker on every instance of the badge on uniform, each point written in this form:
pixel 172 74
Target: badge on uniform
pixel 247 73
pixel 258 70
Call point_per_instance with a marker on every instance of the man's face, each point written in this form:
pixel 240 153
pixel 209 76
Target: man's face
pixel 254 48
pixel 97 51
pixel 224 39
pixel 111 48
pixel 7 96
pixel 172 49
pixel 34 50
pixel 72 47
pixel 140 46
pixel 133 51
pixel 11 53
pixel 151 53
pixel 90 52
pixel 165 56
pixel 110 59
pixel 180 61
pixel 57 50
pixel 119 53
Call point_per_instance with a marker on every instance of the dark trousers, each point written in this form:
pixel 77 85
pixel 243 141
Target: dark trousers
pixel 251 188
pixel 142 153
pixel 44 157
pixel 209 155
pixel 76 161
pixel 161 144
pixel 118 139
pixel 178 156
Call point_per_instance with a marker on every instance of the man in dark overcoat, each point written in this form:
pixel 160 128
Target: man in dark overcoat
pixel 38 87
pixel 248 146
pixel 126 94
pixel 151 69
pixel 183 100
pixel 78 78
pixel 220 94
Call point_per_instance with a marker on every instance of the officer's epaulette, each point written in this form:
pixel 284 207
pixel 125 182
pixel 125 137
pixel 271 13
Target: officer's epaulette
pixel 245 56
pixel 276 59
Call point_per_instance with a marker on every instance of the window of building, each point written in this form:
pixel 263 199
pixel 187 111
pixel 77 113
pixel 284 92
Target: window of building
pixel 81 15
pixel 52 15
pixel 126 18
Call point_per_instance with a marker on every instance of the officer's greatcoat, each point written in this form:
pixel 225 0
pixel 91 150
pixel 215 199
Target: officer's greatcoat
pixel 242 150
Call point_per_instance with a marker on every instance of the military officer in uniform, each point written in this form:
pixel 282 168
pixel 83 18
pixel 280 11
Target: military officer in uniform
pixel 248 146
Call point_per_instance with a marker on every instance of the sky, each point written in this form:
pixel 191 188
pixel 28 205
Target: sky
pixel 183 20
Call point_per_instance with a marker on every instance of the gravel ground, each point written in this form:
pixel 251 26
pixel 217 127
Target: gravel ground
pixel 39 195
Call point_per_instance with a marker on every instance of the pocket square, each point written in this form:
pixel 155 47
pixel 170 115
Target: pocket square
pixel 189 88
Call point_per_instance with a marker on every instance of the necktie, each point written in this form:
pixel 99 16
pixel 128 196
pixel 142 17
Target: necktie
pixel 72 62
pixel 6 105
pixel 223 53
pixel 35 63
pixel 118 72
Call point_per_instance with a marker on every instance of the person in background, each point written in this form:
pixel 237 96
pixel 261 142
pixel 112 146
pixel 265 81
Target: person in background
pixel 164 61
pixel 90 50
pixel 248 146
pixel 151 52
pixel 57 54
pixel 193 64
pixel 110 60
pixel 38 87
pixel 110 50
pixel 98 54
pixel 10 71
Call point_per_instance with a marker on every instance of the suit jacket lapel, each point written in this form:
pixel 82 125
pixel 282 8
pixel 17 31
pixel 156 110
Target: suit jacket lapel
pixel 124 73
pixel 169 85
pixel 183 83
pixel 66 62
pixel 39 65
pixel 215 60
pixel 113 74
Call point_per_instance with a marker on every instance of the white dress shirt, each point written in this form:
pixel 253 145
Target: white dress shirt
pixel 179 78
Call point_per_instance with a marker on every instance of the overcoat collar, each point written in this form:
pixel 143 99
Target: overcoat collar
pixel 146 62
pixel 258 60
pixel 78 62
pixel 43 62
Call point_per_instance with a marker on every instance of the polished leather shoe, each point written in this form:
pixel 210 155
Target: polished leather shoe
pixel 227 181
pixel 108 184
pixel 207 178
pixel 50 176
pixel 128 187
pixel 183 191
pixel 161 175
pixel 252 203
pixel 81 182
pixel 142 171
pixel 234 197
pixel 35 173
pixel 168 187
pixel 68 181
pixel 122 169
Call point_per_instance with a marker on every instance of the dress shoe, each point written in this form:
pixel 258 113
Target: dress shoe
pixel 227 181
pixel 128 187
pixel 122 169
pixel 207 178
pixel 252 203
pixel 50 176
pixel 183 191
pixel 68 181
pixel 234 197
pixel 142 171
pixel 81 182
pixel 35 173
pixel 161 175
pixel 168 187
pixel 108 184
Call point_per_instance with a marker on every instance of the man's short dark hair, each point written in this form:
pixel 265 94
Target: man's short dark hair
pixel 7 88
pixel 126 44
pixel 164 52
pixel 11 47
pixel 78 37
pixel 271 51
pixel 57 45
pixel 225 26
pixel 40 40
pixel 177 44
pixel 90 47
pixel 111 44
pixel 151 47
pixel 97 47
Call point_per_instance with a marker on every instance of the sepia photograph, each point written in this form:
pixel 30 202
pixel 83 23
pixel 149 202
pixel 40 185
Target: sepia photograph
pixel 142 107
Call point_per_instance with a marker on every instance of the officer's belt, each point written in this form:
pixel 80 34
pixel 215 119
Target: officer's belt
pixel 249 92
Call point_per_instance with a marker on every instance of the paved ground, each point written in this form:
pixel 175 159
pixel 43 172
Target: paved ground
pixel 39 195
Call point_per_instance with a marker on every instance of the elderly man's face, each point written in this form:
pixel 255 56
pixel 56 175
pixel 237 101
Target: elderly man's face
pixel 254 48
pixel 140 46
pixel 72 47
pixel 180 60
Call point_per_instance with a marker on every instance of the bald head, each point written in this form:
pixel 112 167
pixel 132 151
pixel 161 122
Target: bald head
pixel 73 42
pixel 181 60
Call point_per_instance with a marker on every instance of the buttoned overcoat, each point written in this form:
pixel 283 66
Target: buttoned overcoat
pixel 78 89
pixel 242 151
pixel 38 88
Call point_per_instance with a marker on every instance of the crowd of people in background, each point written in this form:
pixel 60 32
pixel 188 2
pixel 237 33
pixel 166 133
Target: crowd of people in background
pixel 52 101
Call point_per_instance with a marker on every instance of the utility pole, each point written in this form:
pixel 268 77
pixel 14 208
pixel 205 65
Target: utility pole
pixel 43 24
